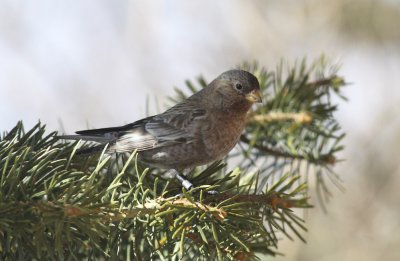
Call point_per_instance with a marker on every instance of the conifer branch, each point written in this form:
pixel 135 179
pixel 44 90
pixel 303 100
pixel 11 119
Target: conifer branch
pixel 57 205
pixel 323 158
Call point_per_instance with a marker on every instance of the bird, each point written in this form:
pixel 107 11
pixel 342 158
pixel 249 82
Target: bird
pixel 197 131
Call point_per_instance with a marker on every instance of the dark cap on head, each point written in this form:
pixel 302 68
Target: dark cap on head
pixel 241 76
pixel 244 83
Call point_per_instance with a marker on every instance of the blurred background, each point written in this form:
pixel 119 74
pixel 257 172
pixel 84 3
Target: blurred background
pixel 79 64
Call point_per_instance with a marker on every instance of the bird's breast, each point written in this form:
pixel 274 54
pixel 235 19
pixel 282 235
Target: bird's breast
pixel 222 134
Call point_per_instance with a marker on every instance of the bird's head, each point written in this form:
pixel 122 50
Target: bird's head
pixel 236 89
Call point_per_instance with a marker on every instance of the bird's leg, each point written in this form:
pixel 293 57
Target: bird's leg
pixel 173 173
pixel 185 183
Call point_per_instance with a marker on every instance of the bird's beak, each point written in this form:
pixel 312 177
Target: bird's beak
pixel 254 96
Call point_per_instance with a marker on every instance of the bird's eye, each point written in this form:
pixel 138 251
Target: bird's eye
pixel 239 86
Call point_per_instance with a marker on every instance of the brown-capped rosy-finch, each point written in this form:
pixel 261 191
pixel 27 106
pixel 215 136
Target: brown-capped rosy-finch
pixel 199 130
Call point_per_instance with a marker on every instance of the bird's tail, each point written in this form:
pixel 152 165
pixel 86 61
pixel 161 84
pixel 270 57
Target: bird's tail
pixel 98 139
pixel 91 150
pixel 103 136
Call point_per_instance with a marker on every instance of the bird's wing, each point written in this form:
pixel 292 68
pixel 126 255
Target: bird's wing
pixel 171 127
pixel 176 123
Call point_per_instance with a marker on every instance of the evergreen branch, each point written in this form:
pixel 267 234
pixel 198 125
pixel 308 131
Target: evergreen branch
pixel 301 117
pixel 322 159
pixel 72 208
pixel 57 205
pixel 332 81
